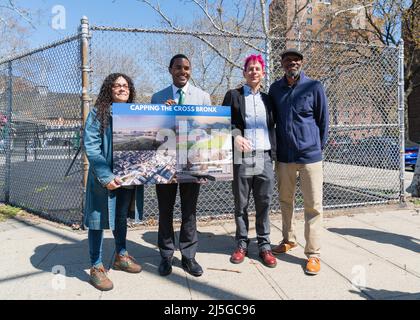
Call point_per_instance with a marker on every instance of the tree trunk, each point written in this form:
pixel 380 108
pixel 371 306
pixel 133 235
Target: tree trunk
pixel 414 187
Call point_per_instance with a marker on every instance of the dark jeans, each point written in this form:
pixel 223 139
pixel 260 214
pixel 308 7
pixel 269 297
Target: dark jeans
pixel 261 185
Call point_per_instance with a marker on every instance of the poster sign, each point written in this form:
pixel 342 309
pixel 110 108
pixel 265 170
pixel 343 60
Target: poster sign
pixel 159 144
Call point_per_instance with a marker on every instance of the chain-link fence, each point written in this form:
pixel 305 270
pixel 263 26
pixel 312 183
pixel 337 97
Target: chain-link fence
pixel 363 162
pixel 363 157
pixel 40 102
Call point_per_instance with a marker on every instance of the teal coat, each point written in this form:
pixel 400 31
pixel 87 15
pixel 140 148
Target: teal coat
pixel 100 204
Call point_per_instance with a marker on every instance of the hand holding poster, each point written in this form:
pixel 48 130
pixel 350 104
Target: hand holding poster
pixel 159 144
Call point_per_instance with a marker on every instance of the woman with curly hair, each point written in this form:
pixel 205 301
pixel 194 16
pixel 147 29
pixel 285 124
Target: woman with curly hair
pixel 107 203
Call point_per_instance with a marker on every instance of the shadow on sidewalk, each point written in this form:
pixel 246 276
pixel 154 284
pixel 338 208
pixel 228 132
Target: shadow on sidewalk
pixel 290 258
pixel 381 294
pixel 395 239
pixel 74 257
pixel 224 245
pixel 207 243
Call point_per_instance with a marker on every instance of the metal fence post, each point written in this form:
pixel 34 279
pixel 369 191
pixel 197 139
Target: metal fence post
pixel 84 31
pixel 8 131
pixel 401 118
pixel 268 63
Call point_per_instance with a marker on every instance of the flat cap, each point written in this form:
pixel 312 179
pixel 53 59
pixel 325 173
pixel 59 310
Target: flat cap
pixel 291 51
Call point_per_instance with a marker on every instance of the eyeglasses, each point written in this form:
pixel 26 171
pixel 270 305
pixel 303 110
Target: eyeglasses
pixel 120 86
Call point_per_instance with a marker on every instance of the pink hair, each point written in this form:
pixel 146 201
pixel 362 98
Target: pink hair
pixel 254 57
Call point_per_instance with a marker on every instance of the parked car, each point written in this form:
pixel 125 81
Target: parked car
pixel 56 142
pixel 338 146
pixel 410 155
pixel 378 152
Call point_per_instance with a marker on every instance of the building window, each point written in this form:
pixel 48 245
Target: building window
pixel 309 10
pixel 327 1
pixel 309 21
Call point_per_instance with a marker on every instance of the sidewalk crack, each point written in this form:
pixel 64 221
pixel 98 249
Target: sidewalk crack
pixel 279 291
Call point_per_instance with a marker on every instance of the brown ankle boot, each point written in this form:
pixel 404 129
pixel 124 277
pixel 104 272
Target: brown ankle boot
pixel 99 279
pixel 126 263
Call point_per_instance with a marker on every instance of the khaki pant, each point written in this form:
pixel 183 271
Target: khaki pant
pixel 311 182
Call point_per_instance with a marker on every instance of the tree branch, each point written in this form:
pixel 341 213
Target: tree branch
pixel 25 16
pixel 160 12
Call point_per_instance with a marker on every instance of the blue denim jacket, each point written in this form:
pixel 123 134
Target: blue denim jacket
pixel 100 204
pixel 301 116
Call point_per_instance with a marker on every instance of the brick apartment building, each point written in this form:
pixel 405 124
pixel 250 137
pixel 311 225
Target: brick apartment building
pixel 332 20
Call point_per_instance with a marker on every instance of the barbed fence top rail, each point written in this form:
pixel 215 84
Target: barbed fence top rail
pixel 178 32
pixel 42 48
pixel 230 34
pixel 184 32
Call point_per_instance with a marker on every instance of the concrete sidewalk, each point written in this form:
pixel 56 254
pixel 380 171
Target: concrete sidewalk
pixel 372 253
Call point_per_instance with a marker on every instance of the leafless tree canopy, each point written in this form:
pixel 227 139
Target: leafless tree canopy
pixel 16 24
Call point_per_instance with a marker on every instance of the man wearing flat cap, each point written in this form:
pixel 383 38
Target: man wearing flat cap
pixel 300 109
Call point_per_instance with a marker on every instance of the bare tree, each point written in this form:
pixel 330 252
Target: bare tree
pixel 220 34
pixel 387 21
pixel 16 25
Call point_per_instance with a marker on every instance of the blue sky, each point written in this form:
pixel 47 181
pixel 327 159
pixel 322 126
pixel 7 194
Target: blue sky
pixel 121 13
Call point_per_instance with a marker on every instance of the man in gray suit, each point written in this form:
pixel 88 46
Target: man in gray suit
pixel 179 92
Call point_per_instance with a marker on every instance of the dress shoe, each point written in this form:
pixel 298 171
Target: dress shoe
pixel 283 247
pixel 126 263
pixel 165 266
pixel 313 266
pixel 238 255
pixel 268 259
pixel 192 267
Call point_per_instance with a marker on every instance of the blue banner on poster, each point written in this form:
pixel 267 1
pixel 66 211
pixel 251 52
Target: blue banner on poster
pixel 174 110
pixel 160 144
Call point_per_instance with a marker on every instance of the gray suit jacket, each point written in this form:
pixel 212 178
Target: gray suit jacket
pixel 193 96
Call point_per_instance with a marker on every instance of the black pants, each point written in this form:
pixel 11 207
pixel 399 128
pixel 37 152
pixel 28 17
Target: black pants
pixel 188 239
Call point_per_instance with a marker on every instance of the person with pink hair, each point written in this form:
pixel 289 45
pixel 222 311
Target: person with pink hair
pixel 254 148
